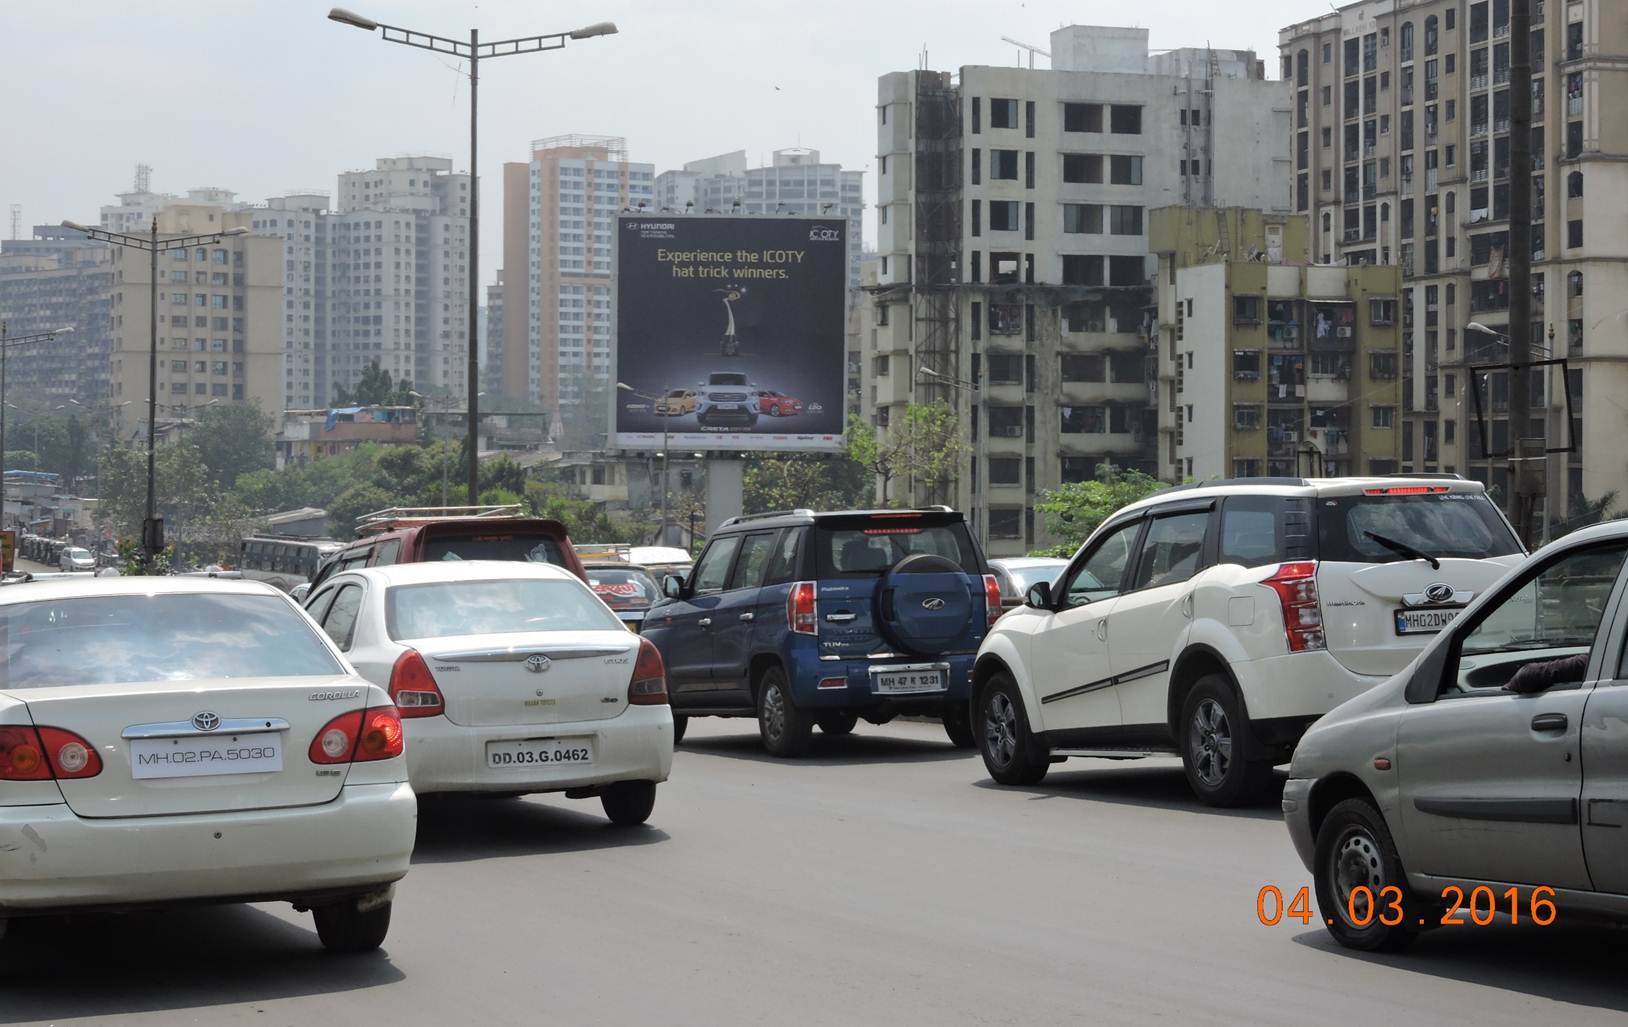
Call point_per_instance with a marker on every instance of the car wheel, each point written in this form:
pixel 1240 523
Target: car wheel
pixel 628 803
pixel 837 723
pixel 1213 733
pixel 680 724
pixel 958 725
pixel 785 728
pixel 1355 851
pixel 775 410
pixel 346 927
pixel 1011 753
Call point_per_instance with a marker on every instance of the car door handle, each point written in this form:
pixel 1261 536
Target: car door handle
pixel 1549 722
pixel 1187 605
pixel 705 622
pixel 1102 630
pixel 748 616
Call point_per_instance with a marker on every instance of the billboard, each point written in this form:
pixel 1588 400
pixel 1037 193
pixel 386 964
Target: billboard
pixel 730 332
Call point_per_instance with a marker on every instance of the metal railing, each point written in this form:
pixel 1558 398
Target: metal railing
pixel 421 513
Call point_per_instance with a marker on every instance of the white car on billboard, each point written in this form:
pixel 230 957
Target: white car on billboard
pixel 726 400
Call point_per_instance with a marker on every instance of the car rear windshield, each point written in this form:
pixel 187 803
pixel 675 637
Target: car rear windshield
pixel 865 549
pixel 622 589
pixel 445 608
pixel 522 546
pixel 1456 524
pixel 111 640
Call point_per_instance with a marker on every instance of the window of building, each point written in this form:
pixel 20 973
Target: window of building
pixel 1003 113
pixel 1246 310
pixel 1574 234
pixel 1083 367
pixel 1004 216
pixel 1383 417
pixel 1005 470
pixel 1246 417
pixel 1082 269
pixel 1082 167
pixel 977 115
pixel 1382 312
pixel 1083 420
pixel 1125 170
pixel 1082 219
pixel 1124 220
pixel 1082 117
pixel 1003 165
pixel 1125 119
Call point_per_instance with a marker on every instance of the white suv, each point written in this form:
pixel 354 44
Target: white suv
pixel 1220 620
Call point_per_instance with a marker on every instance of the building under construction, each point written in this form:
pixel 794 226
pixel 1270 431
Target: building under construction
pixel 1013 269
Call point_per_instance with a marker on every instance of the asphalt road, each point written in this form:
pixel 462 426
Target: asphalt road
pixel 883 880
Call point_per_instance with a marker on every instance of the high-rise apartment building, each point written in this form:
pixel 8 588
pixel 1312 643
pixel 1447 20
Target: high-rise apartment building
pixel 57 278
pixel 1401 154
pixel 797 182
pixel 1013 222
pixel 491 365
pixel 559 216
pixel 1267 365
pixel 380 278
pixel 220 337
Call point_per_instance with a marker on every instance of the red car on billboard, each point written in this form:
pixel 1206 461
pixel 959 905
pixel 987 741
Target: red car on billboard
pixel 778 404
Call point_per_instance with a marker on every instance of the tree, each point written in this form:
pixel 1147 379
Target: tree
pixel 232 441
pixel 789 481
pixel 1074 510
pixel 375 388
pixel 923 443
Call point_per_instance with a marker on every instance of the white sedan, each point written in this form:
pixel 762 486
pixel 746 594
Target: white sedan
pixel 170 740
pixel 511 678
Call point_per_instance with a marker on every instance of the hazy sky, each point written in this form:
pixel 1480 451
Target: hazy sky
pixel 267 97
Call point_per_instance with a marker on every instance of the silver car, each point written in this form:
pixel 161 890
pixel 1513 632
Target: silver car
pixel 1488 780
pixel 73 558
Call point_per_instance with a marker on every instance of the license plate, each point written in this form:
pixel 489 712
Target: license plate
pixel 1425 622
pixel 205 756
pixel 907 682
pixel 728 406
pixel 539 752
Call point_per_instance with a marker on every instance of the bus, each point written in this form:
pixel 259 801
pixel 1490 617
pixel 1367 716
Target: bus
pixel 284 561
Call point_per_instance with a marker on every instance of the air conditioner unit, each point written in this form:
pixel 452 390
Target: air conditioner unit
pixel 1289 436
pixel 1289 332
pixel 1343 331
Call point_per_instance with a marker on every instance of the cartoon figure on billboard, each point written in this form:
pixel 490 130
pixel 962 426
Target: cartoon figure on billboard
pixel 732 293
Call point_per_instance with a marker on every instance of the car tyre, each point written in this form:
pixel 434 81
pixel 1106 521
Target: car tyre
pixel 1012 754
pixel 681 723
pixel 837 723
pixel 785 729
pixel 1354 847
pixel 958 725
pixel 775 410
pixel 345 927
pixel 629 803
pixel 1213 735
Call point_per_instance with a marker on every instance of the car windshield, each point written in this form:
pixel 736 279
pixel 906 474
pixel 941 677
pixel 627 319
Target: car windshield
pixel 78 554
pixel 525 547
pixel 729 379
pixel 445 608
pixel 623 589
pixel 1025 578
pixel 676 394
pixel 867 550
pixel 1450 524
pixel 119 639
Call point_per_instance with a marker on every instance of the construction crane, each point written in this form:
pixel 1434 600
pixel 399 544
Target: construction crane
pixel 1025 46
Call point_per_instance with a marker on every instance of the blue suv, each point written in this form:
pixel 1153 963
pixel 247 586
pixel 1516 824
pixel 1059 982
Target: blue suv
pixel 802 619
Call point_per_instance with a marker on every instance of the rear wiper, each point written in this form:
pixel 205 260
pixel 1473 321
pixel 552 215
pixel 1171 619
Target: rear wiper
pixel 1404 549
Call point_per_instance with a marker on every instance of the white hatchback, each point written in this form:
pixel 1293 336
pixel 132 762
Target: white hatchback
pixel 168 740
pixel 512 678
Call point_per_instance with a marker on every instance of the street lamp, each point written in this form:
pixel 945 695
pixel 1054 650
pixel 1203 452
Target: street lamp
pixel 7 342
pixel 152 530
pixel 625 387
pixel 473 51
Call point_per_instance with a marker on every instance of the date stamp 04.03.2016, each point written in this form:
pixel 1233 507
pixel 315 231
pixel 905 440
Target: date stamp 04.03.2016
pixel 1479 906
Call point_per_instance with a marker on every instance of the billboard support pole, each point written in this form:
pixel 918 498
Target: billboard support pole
pixel 725 480
pixel 666 461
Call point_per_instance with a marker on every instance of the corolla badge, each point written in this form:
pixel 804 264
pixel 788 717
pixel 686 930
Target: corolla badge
pixel 205 721
pixel 537 663
pixel 932 603
pixel 1439 592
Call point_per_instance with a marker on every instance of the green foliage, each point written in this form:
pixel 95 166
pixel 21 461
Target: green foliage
pixel 22 460
pixel 786 482
pixel 134 567
pixel 375 388
pixel 1075 510
pixel 923 445
pixel 232 441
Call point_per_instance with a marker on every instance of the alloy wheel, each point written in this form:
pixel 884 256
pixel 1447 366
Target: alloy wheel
pixel 774 712
pixel 1210 739
pixel 1000 729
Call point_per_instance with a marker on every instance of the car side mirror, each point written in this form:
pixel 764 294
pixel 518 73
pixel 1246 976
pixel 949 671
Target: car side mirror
pixel 672 586
pixel 1038 596
pixel 299 592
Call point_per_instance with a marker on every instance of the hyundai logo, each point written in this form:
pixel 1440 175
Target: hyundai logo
pixel 932 603
pixel 537 663
pixel 1439 592
pixel 205 721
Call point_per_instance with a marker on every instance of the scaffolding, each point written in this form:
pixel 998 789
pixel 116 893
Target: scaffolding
pixel 936 274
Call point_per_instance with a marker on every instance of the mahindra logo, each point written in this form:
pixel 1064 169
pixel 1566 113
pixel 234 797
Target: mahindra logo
pixel 1439 592
pixel 824 235
pixel 932 603
pixel 205 721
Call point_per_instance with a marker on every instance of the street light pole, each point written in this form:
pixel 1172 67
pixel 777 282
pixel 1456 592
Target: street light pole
pixel 152 541
pixel 472 51
pixel 6 344
pixel 666 460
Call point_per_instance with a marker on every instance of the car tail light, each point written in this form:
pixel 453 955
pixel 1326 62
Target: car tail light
pixel 1296 586
pixel 649 684
pixel 992 600
pixel 1407 490
pixel 71 757
pixel 22 755
pixel 413 688
pixel 359 737
pixel 800 608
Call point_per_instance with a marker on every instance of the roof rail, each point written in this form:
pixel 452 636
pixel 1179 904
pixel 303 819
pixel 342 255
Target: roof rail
pixel 414 513
pixel 799 512
pixel 1215 482
pixel 1427 475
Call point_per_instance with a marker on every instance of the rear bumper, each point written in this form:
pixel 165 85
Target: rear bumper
pixel 814 683
pixel 636 745
pixel 1297 685
pixel 52 860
